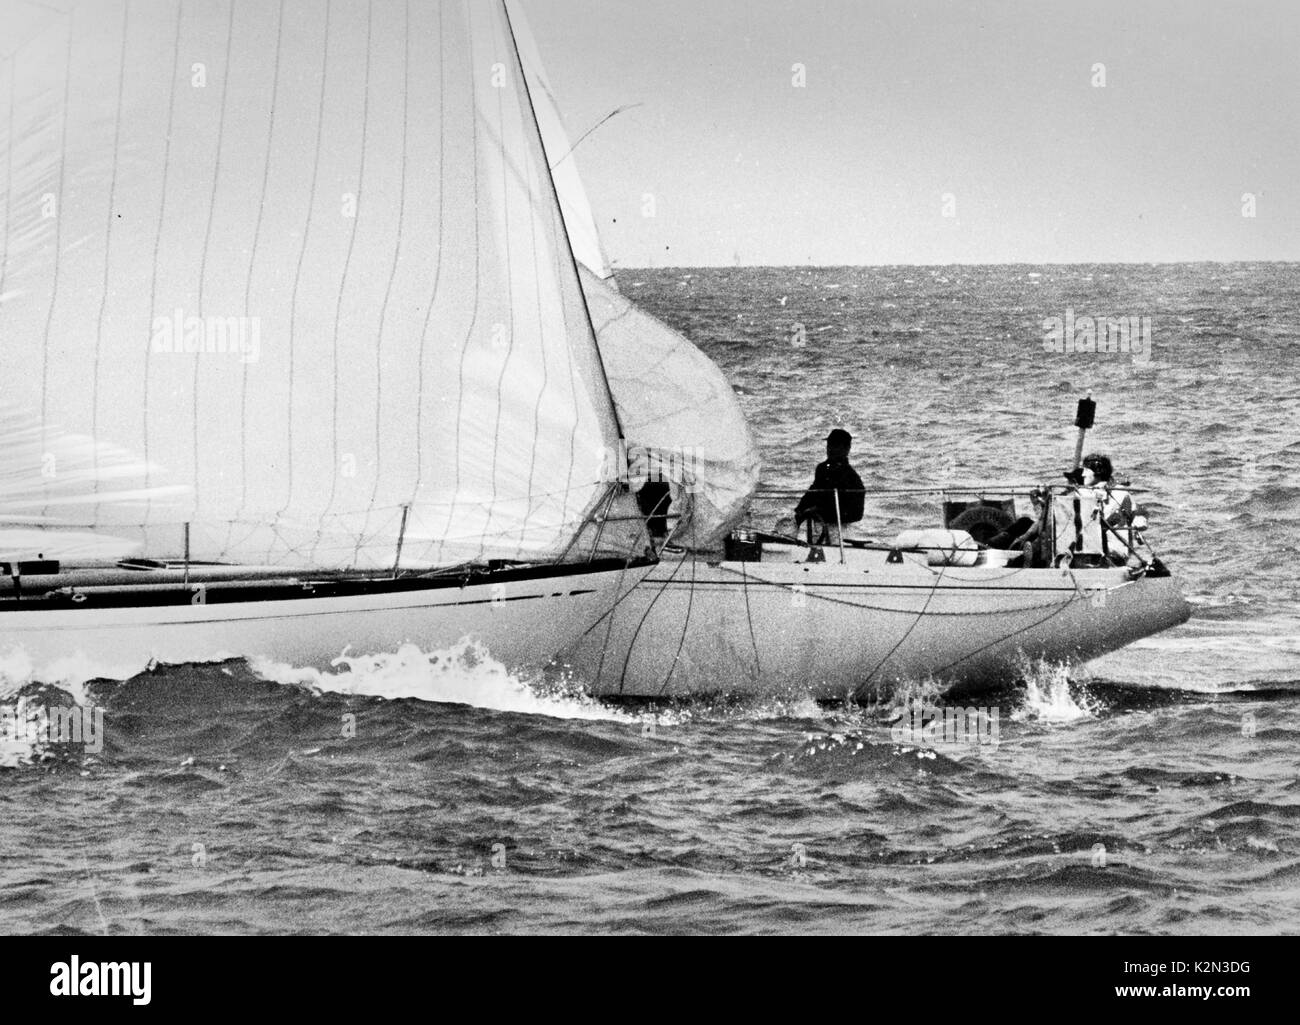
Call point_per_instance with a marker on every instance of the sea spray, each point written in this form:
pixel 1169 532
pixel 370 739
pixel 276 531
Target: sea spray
pixel 30 727
pixel 464 674
pixel 1048 697
pixel 70 673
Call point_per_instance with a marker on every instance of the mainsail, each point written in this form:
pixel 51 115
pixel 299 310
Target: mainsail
pixel 678 412
pixel 289 281
pixel 584 236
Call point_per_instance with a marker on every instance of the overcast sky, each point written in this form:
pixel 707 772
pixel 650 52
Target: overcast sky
pixel 991 103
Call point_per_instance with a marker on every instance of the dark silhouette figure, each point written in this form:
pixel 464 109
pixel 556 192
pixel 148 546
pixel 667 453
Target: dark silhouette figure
pixel 835 477
pixel 653 499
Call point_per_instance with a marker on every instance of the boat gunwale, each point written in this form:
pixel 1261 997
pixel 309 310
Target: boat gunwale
pixel 126 588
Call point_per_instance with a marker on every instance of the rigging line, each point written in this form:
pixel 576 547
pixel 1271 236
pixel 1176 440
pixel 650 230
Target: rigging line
pixel 1074 581
pixel 1000 489
pixel 611 497
pixel 582 138
pixel 749 617
pixel 544 384
pixel 885 608
pixel 686 621
pixel 1056 607
pixel 861 688
pixel 606 499
pixel 1060 607
pixel 627 658
pixel 608 614
pixel 536 134
pixel 563 241
pixel 608 617
pixel 575 385
pixel 854 545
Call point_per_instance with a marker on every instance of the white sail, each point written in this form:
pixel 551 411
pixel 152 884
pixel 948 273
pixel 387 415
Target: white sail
pixel 579 219
pixel 291 273
pixel 680 417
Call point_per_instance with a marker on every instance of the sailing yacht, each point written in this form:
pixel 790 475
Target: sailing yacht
pixel 295 352
pixel 730 609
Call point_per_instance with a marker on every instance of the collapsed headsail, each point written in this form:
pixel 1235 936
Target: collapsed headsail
pixel 678 412
pixel 680 416
pixel 292 274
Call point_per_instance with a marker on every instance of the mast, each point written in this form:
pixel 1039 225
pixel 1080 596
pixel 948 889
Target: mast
pixel 555 196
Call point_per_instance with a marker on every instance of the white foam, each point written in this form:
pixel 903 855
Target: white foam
pixel 464 674
pixel 1047 693
pixel 753 708
pixel 16 752
pixel 906 693
pixel 24 733
pixel 70 673
pixel 27 731
pixel 17 747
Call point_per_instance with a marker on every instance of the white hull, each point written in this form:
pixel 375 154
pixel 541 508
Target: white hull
pixel 523 624
pixel 828 630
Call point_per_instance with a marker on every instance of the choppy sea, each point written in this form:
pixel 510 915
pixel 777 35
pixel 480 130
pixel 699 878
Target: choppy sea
pixel 1154 791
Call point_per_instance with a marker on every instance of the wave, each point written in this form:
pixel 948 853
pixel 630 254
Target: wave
pixel 464 674
pixel 70 674
pixel 44 723
pixel 1273 497
pixel 1212 656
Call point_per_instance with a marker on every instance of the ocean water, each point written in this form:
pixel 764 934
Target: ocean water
pixel 1156 790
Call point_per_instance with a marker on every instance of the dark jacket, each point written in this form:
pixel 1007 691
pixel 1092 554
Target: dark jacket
pixel 837 476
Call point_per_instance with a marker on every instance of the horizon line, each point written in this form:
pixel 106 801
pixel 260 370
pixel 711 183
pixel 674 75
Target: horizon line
pixel 1018 263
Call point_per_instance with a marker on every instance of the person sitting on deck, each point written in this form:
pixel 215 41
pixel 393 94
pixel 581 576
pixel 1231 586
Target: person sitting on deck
pixel 1109 508
pixel 1115 502
pixel 1100 500
pixel 836 496
pixel 1024 530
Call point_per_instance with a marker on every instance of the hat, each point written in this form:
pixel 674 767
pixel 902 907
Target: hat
pixel 1100 466
pixel 839 436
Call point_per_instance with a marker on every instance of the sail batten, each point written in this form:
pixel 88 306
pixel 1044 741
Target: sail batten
pixel 300 269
